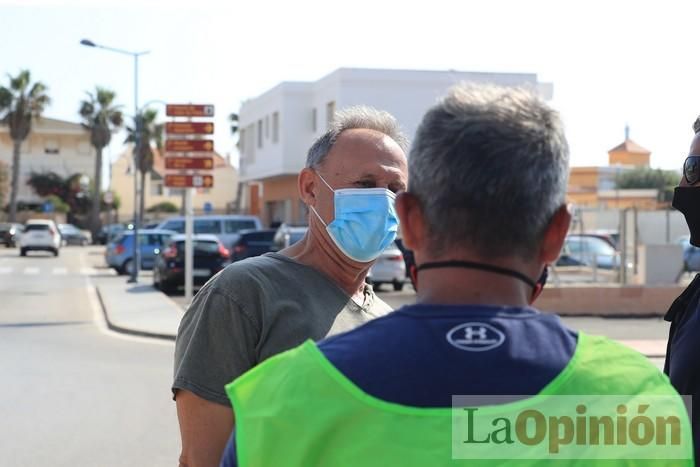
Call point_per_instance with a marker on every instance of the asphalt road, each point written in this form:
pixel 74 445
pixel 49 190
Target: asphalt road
pixel 72 393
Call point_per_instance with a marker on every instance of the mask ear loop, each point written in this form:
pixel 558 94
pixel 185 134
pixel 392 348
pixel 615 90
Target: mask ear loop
pixel 313 208
pixel 539 286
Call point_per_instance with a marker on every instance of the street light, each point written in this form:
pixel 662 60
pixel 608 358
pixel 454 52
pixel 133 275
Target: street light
pixel 136 254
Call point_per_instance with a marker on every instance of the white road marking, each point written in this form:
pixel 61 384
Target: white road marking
pixel 6 270
pixel 31 271
pixel 59 271
pixel 88 271
pixel 100 321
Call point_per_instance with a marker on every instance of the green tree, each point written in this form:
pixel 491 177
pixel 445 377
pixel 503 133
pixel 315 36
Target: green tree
pixel 164 206
pixel 21 103
pixel 151 134
pixel 648 178
pixel 101 118
pixel 72 190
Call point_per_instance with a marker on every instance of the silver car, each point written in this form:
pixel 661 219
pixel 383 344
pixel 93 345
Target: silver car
pixel 389 268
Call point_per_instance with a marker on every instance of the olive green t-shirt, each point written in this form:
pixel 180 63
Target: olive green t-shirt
pixel 255 309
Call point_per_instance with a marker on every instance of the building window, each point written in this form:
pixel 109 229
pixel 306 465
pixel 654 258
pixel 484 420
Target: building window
pixel 241 142
pixel 250 144
pixel 314 120
pixel 260 133
pixel 275 127
pixel 330 114
pixel 267 127
pixel 156 188
pixel 51 146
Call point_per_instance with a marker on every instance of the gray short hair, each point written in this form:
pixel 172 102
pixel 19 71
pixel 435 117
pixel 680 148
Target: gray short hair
pixel 358 117
pixel 490 167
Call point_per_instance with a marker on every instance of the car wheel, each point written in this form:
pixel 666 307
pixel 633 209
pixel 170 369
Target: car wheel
pixel 376 286
pixel 167 288
pixel 22 252
pixel 128 267
pixel 398 286
pixel 55 252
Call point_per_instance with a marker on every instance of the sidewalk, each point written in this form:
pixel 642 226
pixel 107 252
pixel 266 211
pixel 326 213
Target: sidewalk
pixel 138 309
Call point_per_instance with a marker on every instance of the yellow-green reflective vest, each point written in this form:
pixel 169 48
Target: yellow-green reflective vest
pixel 297 409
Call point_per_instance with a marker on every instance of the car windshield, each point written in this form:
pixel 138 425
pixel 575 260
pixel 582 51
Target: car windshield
pixel 36 227
pixel 589 246
pixel 201 246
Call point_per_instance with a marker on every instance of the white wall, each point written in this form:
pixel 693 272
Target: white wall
pixel 406 94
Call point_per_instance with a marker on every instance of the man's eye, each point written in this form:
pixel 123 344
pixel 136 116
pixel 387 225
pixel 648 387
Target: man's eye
pixel 366 184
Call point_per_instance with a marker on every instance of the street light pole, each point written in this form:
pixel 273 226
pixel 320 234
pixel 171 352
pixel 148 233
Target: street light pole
pixel 134 277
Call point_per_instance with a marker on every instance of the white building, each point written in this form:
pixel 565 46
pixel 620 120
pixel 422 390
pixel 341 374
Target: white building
pixel 52 146
pixel 278 127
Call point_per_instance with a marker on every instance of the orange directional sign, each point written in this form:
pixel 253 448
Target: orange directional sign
pixel 189 181
pixel 189 128
pixel 194 163
pixel 189 145
pixel 189 110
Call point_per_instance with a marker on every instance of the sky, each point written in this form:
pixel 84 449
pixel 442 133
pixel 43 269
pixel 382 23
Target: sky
pixel 612 63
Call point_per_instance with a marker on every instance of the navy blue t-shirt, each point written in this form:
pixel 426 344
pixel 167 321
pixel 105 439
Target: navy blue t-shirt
pixel 422 355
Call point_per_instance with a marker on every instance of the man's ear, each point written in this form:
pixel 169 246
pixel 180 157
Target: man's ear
pixel 307 183
pixel 410 212
pixel 555 235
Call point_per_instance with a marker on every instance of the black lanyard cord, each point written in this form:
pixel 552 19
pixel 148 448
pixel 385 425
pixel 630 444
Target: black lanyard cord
pixel 480 266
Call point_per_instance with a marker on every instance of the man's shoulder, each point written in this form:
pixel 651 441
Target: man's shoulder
pixel 251 270
pixel 614 363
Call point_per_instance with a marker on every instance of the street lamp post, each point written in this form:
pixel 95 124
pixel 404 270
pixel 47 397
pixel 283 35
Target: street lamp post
pixel 134 277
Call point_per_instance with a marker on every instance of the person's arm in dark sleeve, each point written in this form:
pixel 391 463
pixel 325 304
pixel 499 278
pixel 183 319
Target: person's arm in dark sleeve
pixel 216 343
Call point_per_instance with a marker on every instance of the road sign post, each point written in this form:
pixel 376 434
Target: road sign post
pixel 184 149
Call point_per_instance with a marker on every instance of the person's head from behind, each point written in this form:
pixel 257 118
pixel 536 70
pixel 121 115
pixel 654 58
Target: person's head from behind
pixel 352 173
pixel 488 173
pixel 686 197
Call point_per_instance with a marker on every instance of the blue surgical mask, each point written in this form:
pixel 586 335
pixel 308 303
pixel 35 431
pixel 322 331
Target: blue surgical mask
pixel 365 221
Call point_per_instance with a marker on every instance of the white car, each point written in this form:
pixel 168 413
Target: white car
pixel 40 234
pixel 389 268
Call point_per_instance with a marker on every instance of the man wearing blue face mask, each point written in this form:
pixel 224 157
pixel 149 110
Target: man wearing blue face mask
pixel 262 306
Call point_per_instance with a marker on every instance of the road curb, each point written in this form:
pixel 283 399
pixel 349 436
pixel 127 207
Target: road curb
pixel 123 330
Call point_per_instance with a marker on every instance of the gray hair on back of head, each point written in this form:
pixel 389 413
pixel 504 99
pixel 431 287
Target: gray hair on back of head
pixel 490 167
pixel 357 117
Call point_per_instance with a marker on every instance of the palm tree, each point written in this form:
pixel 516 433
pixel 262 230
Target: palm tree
pixel 101 118
pixel 20 104
pixel 151 134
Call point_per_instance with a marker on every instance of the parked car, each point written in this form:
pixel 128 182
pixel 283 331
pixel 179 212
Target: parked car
pixel 9 234
pixel 71 235
pixel 288 234
pixel 119 254
pixel 210 257
pixel 40 234
pixel 225 227
pixel 253 243
pixel 691 254
pixel 109 232
pixel 588 250
pixel 612 237
pixel 388 269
